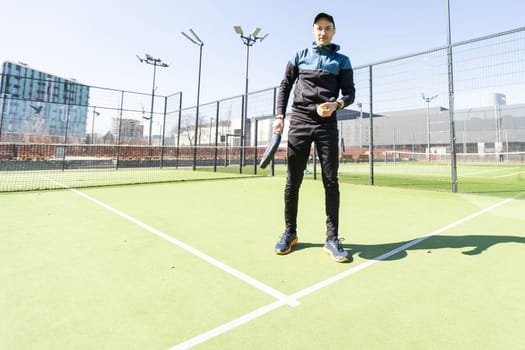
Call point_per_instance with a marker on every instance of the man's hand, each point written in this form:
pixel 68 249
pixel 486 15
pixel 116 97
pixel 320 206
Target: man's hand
pixel 325 110
pixel 278 124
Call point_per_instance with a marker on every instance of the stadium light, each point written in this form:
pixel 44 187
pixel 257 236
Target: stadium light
pixel 238 30
pixel 155 62
pixel 194 38
pixel 95 114
pixel 247 40
pixel 428 100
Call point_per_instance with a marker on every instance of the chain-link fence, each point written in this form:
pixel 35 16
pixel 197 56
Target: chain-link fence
pixel 401 114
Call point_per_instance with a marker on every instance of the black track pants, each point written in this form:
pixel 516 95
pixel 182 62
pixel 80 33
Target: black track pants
pixel 300 138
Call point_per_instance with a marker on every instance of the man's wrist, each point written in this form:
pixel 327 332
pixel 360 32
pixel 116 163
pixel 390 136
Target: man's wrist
pixel 280 117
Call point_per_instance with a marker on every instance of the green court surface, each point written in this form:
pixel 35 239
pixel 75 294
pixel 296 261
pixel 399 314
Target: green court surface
pixel 190 264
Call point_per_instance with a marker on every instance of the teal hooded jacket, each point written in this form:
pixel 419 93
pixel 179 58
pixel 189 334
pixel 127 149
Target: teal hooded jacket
pixel 320 74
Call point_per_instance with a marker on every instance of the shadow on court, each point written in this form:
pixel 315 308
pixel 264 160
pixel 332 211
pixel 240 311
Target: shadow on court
pixel 472 244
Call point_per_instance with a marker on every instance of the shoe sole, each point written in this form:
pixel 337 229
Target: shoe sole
pixel 292 243
pixel 327 251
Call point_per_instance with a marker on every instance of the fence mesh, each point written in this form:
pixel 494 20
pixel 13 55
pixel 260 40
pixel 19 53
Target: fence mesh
pixel 92 136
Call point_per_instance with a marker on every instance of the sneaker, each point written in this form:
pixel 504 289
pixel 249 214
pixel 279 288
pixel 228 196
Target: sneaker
pixel 287 241
pixel 334 248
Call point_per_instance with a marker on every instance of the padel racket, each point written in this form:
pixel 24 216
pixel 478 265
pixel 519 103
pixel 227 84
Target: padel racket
pixel 270 150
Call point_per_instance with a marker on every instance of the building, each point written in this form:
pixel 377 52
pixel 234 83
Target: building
pixel 128 130
pixel 39 107
pixel 491 129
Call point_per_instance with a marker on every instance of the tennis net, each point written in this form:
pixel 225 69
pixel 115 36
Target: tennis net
pixel 26 167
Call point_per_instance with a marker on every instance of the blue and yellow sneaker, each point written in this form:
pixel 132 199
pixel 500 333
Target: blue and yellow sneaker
pixel 334 248
pixel 287 241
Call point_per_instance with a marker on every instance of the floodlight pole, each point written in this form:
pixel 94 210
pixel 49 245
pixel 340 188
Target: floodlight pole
pixel 247 40
pixel 428 100
pixel 211 124
pixel 197 41
pixel 154 62
pixel 95 114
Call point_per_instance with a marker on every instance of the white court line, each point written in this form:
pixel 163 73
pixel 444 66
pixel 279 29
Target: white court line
pixel 227 326
pixel 307 291
pixel 487 171
pixel 386 255
pixel 507 175
pixel 281 297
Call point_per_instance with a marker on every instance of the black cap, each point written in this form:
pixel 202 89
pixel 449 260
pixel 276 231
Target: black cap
pixel 324 15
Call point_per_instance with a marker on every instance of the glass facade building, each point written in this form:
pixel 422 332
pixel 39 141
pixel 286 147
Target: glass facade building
pixel 39 106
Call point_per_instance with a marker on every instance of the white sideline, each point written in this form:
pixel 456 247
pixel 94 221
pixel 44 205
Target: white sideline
pixel 270 307
pixel 281 297
pixel 386 255
pixel 227 326
pixel 508 175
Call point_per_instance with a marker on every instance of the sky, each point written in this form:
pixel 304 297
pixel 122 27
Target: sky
pixel 96 42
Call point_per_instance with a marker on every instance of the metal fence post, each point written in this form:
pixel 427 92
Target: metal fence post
pixel 243 139
pixel 451 105
pixel 178 131
pixel 67 97
pixel 163 136
pixel 119 128
pixel 216 136
pixel 371 131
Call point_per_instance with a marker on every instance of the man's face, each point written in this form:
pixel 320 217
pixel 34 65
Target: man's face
pixel 324 31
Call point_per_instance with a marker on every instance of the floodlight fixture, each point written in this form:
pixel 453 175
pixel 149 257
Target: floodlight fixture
pixel 238 30
pixel 154 62
pixel 428 99
pixel 190 39
pixel 256 31
pixel 196 36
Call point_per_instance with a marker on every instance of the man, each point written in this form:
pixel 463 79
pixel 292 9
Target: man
pixel 319 74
